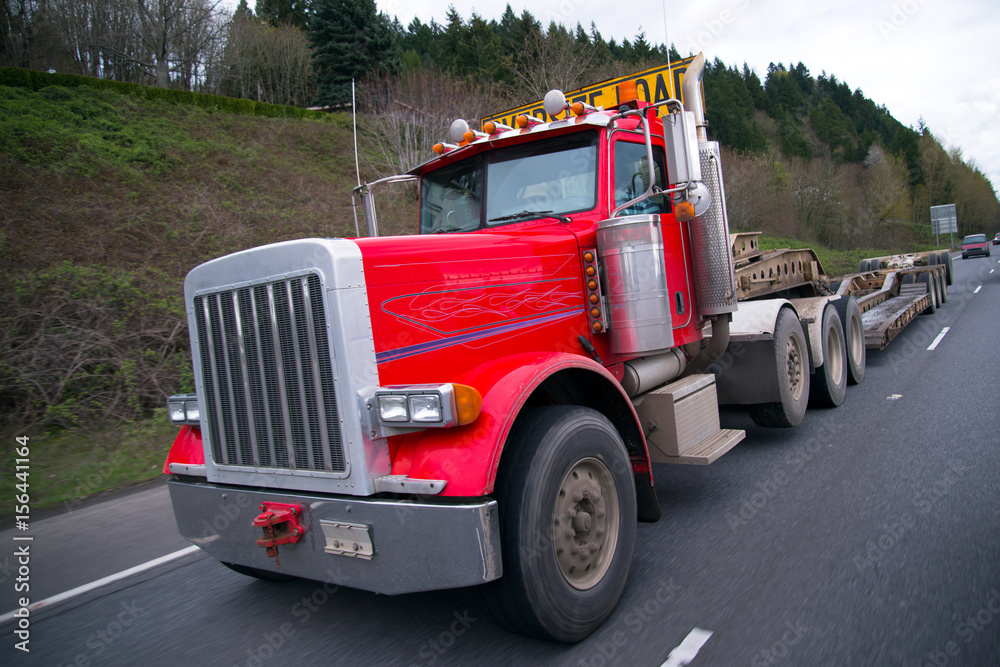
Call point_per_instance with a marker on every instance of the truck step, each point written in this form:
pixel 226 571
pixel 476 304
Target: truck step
pixel 709 450
pixel 681 422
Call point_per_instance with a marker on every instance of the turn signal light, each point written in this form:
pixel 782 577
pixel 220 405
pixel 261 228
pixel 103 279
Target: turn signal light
pixel 468 404
pixel 684 211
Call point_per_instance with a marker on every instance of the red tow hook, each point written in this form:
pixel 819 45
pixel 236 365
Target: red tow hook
pixel 280 523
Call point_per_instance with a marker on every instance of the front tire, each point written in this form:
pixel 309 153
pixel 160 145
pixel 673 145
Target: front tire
pixel 567 524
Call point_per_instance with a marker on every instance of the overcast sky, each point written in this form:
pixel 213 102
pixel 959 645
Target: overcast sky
pixel 936 59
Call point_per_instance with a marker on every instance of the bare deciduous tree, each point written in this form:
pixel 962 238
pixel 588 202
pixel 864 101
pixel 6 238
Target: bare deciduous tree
pixel 266 63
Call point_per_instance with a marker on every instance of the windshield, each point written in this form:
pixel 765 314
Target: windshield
pixel 523 182
pixel 975 238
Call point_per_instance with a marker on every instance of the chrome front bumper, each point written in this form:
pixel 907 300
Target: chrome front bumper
pixel 383 546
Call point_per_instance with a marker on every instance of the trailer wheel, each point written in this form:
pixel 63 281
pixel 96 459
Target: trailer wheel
pixel 931 282
pixel 258 573
pixel 829 384
pixel 942 288
pixel 854 338
pixel 791 363
pixel 945 258
pixel 567 524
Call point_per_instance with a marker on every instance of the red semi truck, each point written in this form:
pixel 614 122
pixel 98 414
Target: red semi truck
pixel 479 404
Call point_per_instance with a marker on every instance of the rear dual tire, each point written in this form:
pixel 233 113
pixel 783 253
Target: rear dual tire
pixel 854 337
pixel 829 383
pixel 791 363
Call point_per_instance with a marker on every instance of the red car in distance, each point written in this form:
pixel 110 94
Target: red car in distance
pixel 975 244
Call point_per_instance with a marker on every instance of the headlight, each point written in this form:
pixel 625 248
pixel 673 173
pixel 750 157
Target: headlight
pixel 422 406
pixel 426 408
pixel 183 409
pixel 392 408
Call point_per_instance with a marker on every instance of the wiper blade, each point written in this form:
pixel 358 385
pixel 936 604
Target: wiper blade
pixel 531 214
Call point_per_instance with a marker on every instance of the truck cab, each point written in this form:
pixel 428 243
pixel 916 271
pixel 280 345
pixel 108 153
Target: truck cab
pixel 479 403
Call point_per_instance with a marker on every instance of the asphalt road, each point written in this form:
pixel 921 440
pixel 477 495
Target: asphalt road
pixel 869 535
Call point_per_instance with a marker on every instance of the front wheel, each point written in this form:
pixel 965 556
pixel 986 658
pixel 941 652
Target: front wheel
pixel 567 524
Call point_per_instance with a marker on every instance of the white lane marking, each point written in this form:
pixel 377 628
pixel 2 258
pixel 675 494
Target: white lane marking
pixel 688 648
pixel 110 579
pixel 992 270
pixel 976 291
pixel 938 339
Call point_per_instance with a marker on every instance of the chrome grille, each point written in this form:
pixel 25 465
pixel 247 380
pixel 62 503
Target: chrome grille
pixel 267 376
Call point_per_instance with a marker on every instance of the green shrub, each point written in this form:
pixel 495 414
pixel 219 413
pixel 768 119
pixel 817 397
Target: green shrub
pixel 82 345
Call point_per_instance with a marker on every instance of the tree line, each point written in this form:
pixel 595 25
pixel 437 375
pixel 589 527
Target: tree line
pixel 829 163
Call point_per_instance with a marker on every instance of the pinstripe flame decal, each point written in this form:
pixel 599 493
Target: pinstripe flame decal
pixel 411 350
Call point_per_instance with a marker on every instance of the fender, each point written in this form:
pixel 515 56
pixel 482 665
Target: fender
pixel 468 456
pixel 187 448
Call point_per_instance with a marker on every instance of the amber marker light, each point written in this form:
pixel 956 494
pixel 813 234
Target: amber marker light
pixel 597 327
pixel 588 256
pixel 628 94
pixel 591 271
pixel 437 148
pixel 522 121
pixel 594 299
pixel 490 127
pixel 595 312
pixel 592 284
pixel 684 211
pixel 577 108
pixel 468 404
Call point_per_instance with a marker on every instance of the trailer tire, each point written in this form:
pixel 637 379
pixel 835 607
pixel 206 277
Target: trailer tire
pixel 945 258
pixel 829 384
pixel 854 338
pixel 942 288
pixel 791 359
pixel 258 573
pixel 564 464
pixel 931 282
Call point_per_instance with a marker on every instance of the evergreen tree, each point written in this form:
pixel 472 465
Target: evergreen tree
pixel 280 12
pixel 350 40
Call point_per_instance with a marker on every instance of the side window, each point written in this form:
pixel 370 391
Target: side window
pixel 631 177
pixel 450 199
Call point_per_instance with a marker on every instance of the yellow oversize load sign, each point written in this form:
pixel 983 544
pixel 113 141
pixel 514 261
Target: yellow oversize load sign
pixel 653 85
